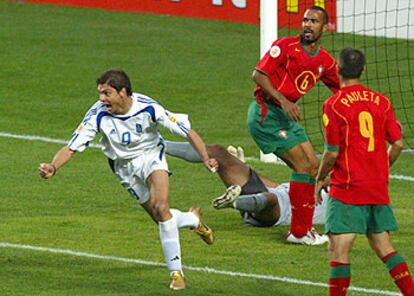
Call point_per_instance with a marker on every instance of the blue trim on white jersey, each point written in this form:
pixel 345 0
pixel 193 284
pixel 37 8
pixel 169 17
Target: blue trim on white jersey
pixel 182 127
pixel 111 163
pixel 99 118
pixel 146 100
pixel 162 144
pixel 101 115
pixel 89 115
pixel 74 137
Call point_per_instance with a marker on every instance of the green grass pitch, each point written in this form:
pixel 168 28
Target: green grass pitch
pixel 51 57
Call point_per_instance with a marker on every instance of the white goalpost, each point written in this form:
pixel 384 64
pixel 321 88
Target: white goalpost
pixel 268 34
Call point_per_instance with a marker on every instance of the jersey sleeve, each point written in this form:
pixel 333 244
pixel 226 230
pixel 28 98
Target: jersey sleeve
pixel 393 129
pixel 273 58
pixel 330 76
pixel 86 131
pixel 331 127
pixel 176 123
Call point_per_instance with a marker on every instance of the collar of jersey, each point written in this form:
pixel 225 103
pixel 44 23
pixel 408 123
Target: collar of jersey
pixel 312 54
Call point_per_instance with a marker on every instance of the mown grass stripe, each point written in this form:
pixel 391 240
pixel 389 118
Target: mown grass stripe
pixel 193 268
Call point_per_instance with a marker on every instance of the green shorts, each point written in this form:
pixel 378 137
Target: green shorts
pixel 277 133
pixel 347 218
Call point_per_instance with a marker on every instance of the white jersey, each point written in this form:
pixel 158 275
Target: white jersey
pixel 129 135
pixel 282 194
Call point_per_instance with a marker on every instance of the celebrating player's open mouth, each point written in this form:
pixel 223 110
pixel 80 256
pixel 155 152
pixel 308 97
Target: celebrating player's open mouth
pixel 307 33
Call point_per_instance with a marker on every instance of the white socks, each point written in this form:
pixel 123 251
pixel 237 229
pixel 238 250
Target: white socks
pixel 185 219
pixel 169 237
pixel 170 244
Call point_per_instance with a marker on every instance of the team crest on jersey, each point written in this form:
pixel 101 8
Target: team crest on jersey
pixel 283 134
pixel 325 120
pixel 138 128
pixel 275 51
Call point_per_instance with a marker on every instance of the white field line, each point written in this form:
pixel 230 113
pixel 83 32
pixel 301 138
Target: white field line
pixel 193 268
pixel 37 138
pixel 60 141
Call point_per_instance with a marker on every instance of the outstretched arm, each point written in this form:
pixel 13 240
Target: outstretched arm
pixel 200 147
pixel 47 170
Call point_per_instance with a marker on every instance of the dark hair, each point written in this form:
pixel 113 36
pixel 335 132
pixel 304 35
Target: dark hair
pixel 351 63
pixel 117 79
pixel 325 14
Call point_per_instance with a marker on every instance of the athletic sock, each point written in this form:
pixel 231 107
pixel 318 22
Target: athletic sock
pixel 185 219
pixel 251 202
pixel 339 278
pixel 183 150
pixel 301 194
pixel 170 244
pixel 399 272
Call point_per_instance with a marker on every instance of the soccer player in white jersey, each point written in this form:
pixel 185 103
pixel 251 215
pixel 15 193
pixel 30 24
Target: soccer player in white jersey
pixel 127 123
pixel 260 201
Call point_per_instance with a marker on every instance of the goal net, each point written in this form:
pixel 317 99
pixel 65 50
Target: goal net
pixel 384 31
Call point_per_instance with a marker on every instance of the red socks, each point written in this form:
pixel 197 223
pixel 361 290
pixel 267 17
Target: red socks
pixel 301 193
pixel 399 272
pixel 339 278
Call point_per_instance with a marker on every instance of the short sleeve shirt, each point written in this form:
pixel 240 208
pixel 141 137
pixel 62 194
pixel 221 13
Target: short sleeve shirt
pixel 293 71
pixel 358 122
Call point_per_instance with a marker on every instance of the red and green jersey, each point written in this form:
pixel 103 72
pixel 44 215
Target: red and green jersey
pixel 358 122
pixel 293 70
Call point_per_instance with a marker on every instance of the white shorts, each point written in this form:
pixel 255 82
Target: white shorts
pixel 285 218
pixel 133 173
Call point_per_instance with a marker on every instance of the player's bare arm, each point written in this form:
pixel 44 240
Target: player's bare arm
pixel 394 151
pixel 264 82
pixel 327 163
pixel 198 144
pixel 47 170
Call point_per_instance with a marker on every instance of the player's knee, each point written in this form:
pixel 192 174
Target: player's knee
pixel 161 211
pixel 271 199
pixel 304 166
pixel 334 253
pixel 310 168
pixel 313 170
pixel 215 151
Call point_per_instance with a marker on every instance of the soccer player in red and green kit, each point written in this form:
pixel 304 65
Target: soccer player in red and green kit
pixel 358 123
pixel 291 67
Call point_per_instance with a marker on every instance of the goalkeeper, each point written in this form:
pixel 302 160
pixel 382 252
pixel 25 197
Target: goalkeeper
pixel 261 201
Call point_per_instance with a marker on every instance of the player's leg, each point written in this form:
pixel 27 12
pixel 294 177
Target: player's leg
pixel 343 222
pixel 157 207
pixel 263 207
pixel 340 246
pixel 183 150
pixel 301 158
pixel 394 262
pixel 274 132
pixel 258 206
pixel 231 169
pixel 382 222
